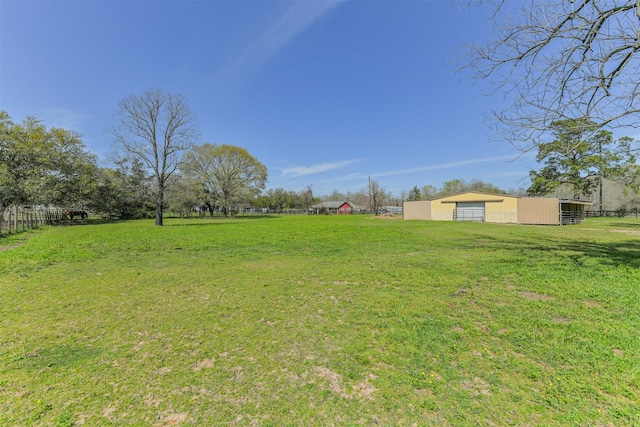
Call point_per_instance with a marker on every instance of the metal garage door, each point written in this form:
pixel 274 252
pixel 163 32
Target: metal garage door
pixel 469 211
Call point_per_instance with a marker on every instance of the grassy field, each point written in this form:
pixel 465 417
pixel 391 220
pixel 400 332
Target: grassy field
pixel 321 321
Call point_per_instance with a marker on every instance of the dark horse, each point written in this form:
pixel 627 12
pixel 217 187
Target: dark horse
pixel 71 214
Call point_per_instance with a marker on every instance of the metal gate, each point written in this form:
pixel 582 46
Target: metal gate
pixel 469 211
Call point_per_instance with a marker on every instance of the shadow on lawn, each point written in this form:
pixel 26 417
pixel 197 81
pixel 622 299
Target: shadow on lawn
pixel 205 221
pixel 614 253
pixel 55 356
pixel 169 221
pixel 624 225
pixel 617 253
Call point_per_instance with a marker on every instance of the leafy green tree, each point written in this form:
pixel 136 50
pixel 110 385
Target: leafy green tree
pixel 43 166
pixel 184 195
pixel 15 163
pixel 228 174
pixel 71 175
pixel 483 187
pixel 454 186
pixel 429 192
pixel 580 156
pixel 125 192
pixel 414 194
pixel 273 199
pixel 280 199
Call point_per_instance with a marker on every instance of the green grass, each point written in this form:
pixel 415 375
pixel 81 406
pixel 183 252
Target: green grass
pixel 321 321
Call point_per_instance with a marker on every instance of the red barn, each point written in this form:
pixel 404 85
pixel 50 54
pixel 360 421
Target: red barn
pixel 340 208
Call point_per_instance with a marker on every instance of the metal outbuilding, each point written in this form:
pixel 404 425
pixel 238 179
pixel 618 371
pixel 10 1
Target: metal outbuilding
pixel 498 208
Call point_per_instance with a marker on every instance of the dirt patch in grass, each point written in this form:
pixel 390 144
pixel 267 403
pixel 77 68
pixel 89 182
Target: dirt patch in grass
pixel 534 296
pixel 172 419
pixel 9 247
pixel 477 386
pixel 108 412
pixel 203 364
pixel 335 380
pixel 361 390
pixel 388 216
pixel 593 304
pixel 364 389
pixel 630 232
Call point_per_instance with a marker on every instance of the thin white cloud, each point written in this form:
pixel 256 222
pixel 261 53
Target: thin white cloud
pixel 297 17
pixel 311 170
pixel 451 165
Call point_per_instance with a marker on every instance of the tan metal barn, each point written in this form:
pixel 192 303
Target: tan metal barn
pixel 498 208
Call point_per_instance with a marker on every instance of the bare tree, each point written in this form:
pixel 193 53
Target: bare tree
pixel 307 197
pixel 377 196
pixel 155 128
pixel 562 60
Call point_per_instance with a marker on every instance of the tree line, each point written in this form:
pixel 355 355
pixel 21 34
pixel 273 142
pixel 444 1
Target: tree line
pixel 52 168
pixel 161 166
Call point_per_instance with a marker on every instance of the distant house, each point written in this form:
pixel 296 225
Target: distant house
pixel 498 208
pixel 332 207
pixel 393 209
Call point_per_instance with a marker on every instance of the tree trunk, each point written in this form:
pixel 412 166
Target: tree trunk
pixel 159 203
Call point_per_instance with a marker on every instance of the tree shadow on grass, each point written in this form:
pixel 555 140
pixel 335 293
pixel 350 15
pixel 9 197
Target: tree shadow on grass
pixel 620 223
pixel 55 356
pixel 578 251
pixel 611 253
pixel 201 222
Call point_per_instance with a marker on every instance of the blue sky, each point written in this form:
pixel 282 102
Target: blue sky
pixel 323 93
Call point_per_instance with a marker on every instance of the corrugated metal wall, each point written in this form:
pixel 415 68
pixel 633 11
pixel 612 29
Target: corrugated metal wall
pixel 442 211
pixel 417 210
pixel 538 210
pixel 505 211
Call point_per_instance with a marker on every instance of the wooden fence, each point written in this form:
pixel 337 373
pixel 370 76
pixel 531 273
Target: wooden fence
pixel 15 219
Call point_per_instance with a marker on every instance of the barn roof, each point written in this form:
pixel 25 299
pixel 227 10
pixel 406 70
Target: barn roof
pixel 475 196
